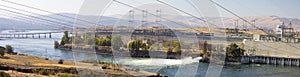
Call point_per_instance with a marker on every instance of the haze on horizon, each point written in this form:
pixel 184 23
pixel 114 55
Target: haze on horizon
pixel 282 8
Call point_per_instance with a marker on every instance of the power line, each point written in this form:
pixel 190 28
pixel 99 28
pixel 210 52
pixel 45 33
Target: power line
pixel 27 19
pixel 47 11
pixel 234 14
pixel 149 13
pixel 36 17
pixel 38 14
pixel 187 13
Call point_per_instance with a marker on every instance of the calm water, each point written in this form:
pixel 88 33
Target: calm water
pixel 169 67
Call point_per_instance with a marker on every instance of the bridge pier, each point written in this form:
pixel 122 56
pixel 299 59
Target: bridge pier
pixel 45 35
pixel 50 35
pixel 271 60
pixel 297 62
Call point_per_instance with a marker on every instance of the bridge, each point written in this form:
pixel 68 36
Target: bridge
pixel 28 35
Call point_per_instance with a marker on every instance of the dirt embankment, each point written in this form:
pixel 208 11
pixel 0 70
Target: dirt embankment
pixel 17 65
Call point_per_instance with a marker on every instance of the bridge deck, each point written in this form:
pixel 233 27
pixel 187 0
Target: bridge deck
pixel 27 35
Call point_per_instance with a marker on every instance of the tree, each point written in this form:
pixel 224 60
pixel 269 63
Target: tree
pixel 234 52
pixel 56 44
pixel 103 41
pixel 168 50
pixel 177 49
pixel 65 39
pixel 137 45
pixel 116 42
pixel 107 41
pixel 205 46
pixel 2 51
pixel 9 49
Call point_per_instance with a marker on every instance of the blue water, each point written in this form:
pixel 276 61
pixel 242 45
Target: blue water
pixel 168 67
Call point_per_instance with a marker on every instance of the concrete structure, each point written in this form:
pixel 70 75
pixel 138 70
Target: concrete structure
pixel 28 35
pixel 271 60
pixel 278 53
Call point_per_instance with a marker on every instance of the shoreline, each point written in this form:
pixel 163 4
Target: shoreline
pixel 34 65
pixel 137 54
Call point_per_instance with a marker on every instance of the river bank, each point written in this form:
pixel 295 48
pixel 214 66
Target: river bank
pixel 32 65
pixel 105 50
pixel 168 67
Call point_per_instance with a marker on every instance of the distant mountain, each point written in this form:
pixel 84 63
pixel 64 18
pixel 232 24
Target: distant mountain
pixel 265 22
pixel 9 24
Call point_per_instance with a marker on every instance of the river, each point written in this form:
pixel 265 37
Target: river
pixel 168 67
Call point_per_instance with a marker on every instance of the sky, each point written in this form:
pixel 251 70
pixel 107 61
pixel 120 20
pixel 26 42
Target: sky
pixel 283 8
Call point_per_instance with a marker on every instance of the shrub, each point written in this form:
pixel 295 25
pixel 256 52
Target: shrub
pixel 51 73
pixel 3 74
pixel 46 72
pixel 2 51
pixel 234 52
pixel 103 41
pixel 56 44
pixel 9 49
pixel 65 39
pixel 168 50
pixel 177 49
pixel 137 45
pixel 66 75
pixel 43 72
pixel 61 61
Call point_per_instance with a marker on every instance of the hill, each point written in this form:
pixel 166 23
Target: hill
pixel 265 22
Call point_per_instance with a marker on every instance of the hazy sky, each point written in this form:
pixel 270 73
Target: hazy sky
pixel 286 8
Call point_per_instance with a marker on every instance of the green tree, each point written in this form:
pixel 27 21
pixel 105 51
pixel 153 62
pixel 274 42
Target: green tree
pixel 137 45
pixel 65 39
pixel 234 52
pixel 103 41
pixel 176 43
pixel 168 49
pixel 56 44
pixel 107 41
pixel 116 42
pixel 98 41
pixel 177 49
pixel 2 51
pixel 9 49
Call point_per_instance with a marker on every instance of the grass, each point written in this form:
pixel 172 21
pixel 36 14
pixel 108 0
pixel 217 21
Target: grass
pixel 46 72
pixel 66 75
pixel 3 74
